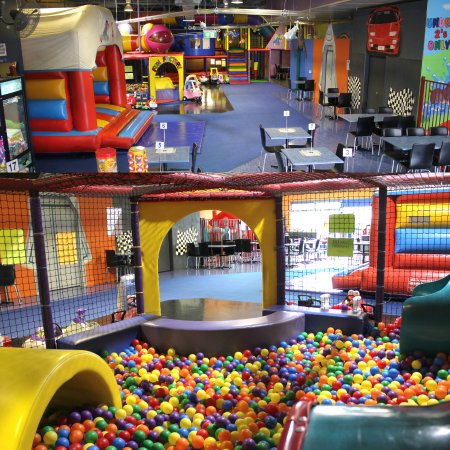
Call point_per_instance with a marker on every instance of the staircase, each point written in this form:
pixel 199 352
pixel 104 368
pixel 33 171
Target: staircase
pixel 237 66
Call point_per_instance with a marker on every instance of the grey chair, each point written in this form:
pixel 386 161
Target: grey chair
pixel 415 131
pixel 364 129
pixel 345 101
pixel 420 158
pixel 193 251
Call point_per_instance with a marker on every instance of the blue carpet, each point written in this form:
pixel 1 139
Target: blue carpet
pixel 23 321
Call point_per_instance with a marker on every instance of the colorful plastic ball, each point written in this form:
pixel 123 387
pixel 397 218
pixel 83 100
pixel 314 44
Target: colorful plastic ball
pixel 156 38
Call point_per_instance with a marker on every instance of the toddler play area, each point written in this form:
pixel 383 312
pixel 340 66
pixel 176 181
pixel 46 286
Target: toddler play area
pixel 116 366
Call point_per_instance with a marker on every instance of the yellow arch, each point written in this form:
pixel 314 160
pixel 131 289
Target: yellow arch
pixel 154 61
pixel 34 379
pixel 157 218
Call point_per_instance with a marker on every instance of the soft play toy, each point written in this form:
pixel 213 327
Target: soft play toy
pixel 79 323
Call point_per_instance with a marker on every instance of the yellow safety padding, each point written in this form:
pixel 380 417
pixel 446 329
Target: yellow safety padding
pixel 164 83
pixel 100 73
pixel 423 215
pixel 46 89
pixel 12 246
pixel 109 106
pixel 101 123
pixel 156 220
pixel 43 378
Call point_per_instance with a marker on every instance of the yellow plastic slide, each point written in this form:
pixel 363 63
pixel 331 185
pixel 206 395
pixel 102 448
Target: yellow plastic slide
pixel 32 380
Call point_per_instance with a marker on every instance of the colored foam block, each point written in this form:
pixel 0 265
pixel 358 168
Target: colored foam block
pixel 413 240
pixel 46 89
pixel 422 215
pixel 47 109
pixel 102 123
pixel 100 73
pixel 101 88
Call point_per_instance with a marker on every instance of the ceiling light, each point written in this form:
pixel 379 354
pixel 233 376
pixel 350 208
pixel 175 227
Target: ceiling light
pixel 237 2
pixel 128 7
pixel 189 19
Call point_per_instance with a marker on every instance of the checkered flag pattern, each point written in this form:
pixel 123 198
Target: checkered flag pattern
pixel 183 238
pixel 124 243
pixel 402 102
pixel 354 87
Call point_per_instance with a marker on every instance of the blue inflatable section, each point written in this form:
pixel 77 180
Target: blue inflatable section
pixel 135 125
pixel 111 112
pixel 101 88
pixel 413 240
pixel 47 109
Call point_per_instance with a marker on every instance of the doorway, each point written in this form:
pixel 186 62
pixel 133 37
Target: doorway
pixel 376 81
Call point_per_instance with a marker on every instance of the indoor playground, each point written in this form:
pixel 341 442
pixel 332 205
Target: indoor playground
pixel 119 364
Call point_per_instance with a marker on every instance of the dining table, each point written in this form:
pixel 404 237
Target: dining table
pixel 405 143
pixel 353 118
pixel 287 133
pixel 310 157
pixel 168 155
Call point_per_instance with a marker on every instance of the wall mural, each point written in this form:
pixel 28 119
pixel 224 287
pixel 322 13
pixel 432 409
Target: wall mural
pixel 402 102
pixel 383 30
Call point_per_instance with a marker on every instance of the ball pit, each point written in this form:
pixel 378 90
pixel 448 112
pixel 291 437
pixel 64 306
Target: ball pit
pixel 240 401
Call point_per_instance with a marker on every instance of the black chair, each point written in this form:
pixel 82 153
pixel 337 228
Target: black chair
pixel 368 111
pixel 406 122
pixel 345 101
pixel 274 150
pixel 7 279
pixel 230 252
pixel 442 159
pixel 364 129
pixel 385 110
pixel 307 301
pixel 205 254
pixel 323 103
pixel 309 87
pixel 193 252
pixel 309 142
pixel 388 122
pixel 298 88
pixel 415 131
pixel 340 167
pixel 438 131
pixel 420 158
pixel 194 156
pixel 333 101
pixel 117 262
pixel 389 151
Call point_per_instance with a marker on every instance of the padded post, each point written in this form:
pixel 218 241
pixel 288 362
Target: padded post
pixel 116 76
pixel 81 89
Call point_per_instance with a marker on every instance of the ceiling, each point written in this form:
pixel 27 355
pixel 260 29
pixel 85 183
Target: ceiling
pixel 272 10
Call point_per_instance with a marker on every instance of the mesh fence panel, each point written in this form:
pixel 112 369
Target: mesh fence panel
pixel 88 247
pixel 334 244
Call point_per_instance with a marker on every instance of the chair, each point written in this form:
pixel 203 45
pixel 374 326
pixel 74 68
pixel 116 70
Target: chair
pixel 230 252
pixel 205 253
pixel 323 103
pixel 415 131
pixel 333 101
pixel 385 110
pixel 117 262
pixel 269 149
pixel 307 301
pixel 345 101
pixel 309 87
pixel 298 88
pixel 406 122
pixel 388 122
pixel 194 156
pixel 368 111
pixel 364 128
pixel 247 249
pixel 312 250
pixel 438 131
pixel 420 158
pixel 340 167
pixel 389 150
pixel 304 142
pixel 193 252
pixel 442 159
pixel 8 278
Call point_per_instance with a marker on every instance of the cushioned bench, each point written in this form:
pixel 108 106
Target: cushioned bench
pixel 319 320
pixel 112 337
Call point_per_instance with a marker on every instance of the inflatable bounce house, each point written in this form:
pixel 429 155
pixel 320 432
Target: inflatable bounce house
pixel 417 243
pixel 75 83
